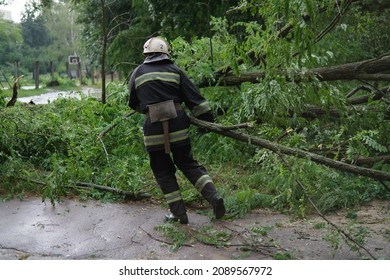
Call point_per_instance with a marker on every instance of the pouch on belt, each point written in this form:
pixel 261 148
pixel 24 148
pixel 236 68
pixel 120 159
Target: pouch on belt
pixel 163 112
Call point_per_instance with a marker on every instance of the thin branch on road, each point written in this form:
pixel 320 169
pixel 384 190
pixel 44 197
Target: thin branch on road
pixel 338 229
pixel 162 241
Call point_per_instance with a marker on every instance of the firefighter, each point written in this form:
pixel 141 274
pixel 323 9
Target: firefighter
pixel 159 89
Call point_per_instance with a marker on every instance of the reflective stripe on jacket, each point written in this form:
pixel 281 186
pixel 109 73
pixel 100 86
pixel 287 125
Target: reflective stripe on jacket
pixel 157 76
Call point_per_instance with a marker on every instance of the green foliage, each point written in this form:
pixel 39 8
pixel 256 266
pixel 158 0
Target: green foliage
pixel 282 256
pixel 35 33
pixel 243 201
pixel 329 189
pixel 2 99
pixel 263 231
pixel 194 58
pixel 47 33
pixel 61 140
pixel 211 236
pixel 10 43
pixel 187 19
pixel 63 81
pixel 358 233
pixel 320 225
pixel 333 238
pixel 11 186
pixel 363 141
pixel 351 214
pixel 126 27
pixel 59 19
pixel 177 237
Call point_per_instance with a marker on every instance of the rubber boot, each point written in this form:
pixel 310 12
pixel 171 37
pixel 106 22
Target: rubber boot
pixel 183 219
pixel 219 208
pixel 209 192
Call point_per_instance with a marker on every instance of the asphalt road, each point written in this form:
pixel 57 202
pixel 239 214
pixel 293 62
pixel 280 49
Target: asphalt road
pixel 73 229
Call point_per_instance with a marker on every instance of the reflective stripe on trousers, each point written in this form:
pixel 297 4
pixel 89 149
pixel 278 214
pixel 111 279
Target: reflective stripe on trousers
pixel 202 181
pixel 173 196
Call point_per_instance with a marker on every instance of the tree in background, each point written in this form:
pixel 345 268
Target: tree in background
pixel 60 21
pixel 125 48
pixel 93 17
pixel 187 19
pixel 111 30
pixel 36 37
pixel 11 40
pixel 35 33
pixel 128 24
pixel 5 2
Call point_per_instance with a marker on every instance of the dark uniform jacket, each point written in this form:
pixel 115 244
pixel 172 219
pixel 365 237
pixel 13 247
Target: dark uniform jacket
pixel 158 80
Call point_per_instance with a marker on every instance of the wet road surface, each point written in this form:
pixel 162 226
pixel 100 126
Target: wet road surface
pixel 73 229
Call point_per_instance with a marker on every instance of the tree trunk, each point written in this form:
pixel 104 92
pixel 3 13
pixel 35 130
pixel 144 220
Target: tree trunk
pixel 14 97
pixel 277 148
pixel 372 69
pixel 369 160
pixel 363 70
pixel 104 50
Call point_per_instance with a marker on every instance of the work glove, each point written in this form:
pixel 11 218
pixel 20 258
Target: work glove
pixel 208 117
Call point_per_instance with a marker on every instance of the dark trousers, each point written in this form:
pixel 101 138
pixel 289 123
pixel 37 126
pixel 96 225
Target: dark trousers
pixel 164 168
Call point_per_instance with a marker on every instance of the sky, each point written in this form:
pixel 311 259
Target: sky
pixel 16 7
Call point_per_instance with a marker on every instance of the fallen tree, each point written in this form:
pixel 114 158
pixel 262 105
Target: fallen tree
pixel 282 33
pixel 372 70
pixel 277 148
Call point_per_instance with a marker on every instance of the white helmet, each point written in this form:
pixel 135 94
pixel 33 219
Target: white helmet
pixel 156 45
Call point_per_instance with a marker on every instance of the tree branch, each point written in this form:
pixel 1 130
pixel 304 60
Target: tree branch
pixel 356 90
pixel 333 23
pixel 339 230
pixel 283 32
pixel 277 148
pixel 362 70
pixel 84 185
pixel 162 241
pixel 113 190
pixel 111 127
